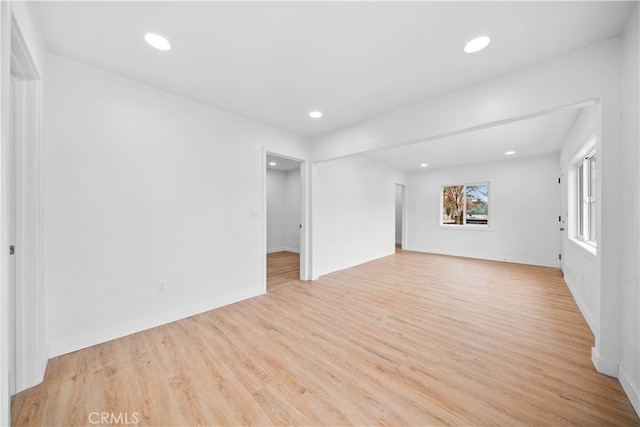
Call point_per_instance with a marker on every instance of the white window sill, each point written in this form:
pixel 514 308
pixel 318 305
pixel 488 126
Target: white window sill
pixel 584 245
pixel 465 227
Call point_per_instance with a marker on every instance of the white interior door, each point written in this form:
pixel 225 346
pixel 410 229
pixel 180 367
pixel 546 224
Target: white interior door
pixel 11 223
pixel 562 218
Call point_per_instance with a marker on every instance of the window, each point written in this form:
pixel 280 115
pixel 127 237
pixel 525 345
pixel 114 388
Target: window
pixel 586 191
pixel 465 205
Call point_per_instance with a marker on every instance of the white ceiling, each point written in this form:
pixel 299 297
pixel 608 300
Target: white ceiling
pixel 281 163
pixel 274 62
pixel 535 136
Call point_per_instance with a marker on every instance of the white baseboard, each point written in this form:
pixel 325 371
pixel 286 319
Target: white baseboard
pixel 41 369
pixel 44 361
pixel 604 366
pixel 33 371
pixel 630 388
pixel 82 341
pixel 462 254
pixel 341 265
pixel 283 249
pixel 615 370
pixel 581 305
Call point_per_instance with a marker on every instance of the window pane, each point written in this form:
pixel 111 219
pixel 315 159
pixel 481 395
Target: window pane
pixel 581 200
pixel 477 204
pixel 452 204
pixel 592 198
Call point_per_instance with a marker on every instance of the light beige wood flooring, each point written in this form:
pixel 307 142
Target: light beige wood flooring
pixel 410 339
pixel 282 268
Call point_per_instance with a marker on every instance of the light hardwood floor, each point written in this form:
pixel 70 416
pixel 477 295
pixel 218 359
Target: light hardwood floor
pixel 282 268
pixel 410 339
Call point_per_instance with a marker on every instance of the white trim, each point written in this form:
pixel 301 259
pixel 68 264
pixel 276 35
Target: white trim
pixel 5 49
pixel 589 248
pixel 466 227
pixel 44 358
pixel 311 196
pixel 305 216
pixel 582 306
pixel 629 388
pixel 403 215
pixel 587 149
pixel 564 207
pixel 86 340
pixel 604 366
pixel 29 304
pixel 283 249
pixel 22 64
pixel 615 370
pixel 263 245
pixel 483 256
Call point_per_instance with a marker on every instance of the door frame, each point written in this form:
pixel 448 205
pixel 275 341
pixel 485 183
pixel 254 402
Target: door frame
pixel 562 223
pixel 403 214
pixel 10 175
pixel 305 261
pixel 22 153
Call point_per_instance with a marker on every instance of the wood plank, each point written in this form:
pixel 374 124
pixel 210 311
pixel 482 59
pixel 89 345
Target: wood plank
pixel 282 268
pixel 410 339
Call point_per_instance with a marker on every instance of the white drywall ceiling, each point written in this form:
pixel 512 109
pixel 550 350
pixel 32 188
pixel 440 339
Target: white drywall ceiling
pixel 531 137
pixel 274 62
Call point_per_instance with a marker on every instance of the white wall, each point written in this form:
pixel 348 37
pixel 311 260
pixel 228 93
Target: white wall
pixel 354 213
pixel 276 210
pixel 629 372
pixel 145 186
pixel 523 208
pixel 580 266
pixel 283 211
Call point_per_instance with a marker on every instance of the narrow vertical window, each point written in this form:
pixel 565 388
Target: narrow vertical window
pixel 592 198
pixel 587 176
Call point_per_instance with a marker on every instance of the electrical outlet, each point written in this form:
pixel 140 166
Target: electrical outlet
pixel 162 286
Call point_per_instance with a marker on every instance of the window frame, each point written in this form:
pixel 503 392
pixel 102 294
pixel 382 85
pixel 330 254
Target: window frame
pixel 464 225
pixel 583 196
pixel 586 203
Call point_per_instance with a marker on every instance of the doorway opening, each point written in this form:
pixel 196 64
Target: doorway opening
pixel 400 216
pixel 22 230
pixel 284 213
pixel 563 214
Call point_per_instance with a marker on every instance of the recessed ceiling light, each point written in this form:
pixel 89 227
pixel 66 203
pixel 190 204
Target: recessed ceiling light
pixel 315 114
pixel 477 44
pixel 272 163
pixel 157 41
pixel 423 165
pixel 508 153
